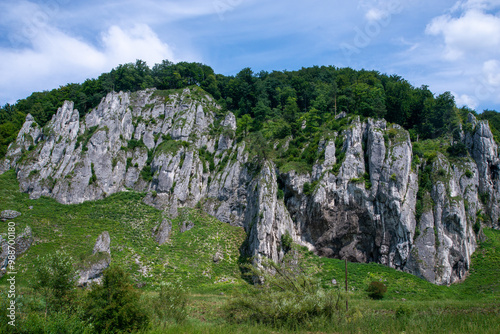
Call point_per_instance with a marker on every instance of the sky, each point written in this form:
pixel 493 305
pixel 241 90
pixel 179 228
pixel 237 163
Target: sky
pixel 448 45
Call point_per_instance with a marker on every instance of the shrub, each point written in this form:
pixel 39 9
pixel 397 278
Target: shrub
pixel 477 227
pixel 457 150
pixel 114 305
pixel 376 290
pixel 290 295
pixel 54 279
pixel 286 242
pixel 147 174
pixel 468 173
pixel 93 177
pixel 280 194
pixel 134 143
pixel 308 188
pixel 171 302
pixel 403 311
pixel 393 177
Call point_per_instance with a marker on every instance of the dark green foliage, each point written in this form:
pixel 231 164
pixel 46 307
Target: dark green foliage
pixel 84 139
pixel 468 173
pixel 376 290
pixel 280 194
pixel 477 227
pixel 54 279
pixel 146 173
pixel 290 297
pixel 457 150
pixel 286 242
pixel 171 302
pixel 93 176
pixel 484 197
pixel 309 188
pixel 114 306
pixel 132 144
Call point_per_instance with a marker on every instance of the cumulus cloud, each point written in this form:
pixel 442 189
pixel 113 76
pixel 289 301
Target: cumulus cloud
pixel 468 40
pixel 473 32
pixel 465 100
pixel 55 57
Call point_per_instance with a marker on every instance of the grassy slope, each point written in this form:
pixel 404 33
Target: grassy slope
pixel 187 256
pixel 472 306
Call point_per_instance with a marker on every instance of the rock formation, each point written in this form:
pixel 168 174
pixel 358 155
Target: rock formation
pixel 361 201
pixel 93 266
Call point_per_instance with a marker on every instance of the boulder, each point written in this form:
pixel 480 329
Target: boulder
pixel 94 266
pixel 9 214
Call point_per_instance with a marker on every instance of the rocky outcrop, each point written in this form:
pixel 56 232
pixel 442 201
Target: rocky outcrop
pixel 93 267
pixel 9 214
pixel 14 245
pixel 102 244
pixel 162 232
pixel 367 199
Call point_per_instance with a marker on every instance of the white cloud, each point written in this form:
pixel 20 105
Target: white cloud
pixel 475 4
pixel 56 58
pixel 140 42
pixel 465 100
pixel 475 32
pixel 491 70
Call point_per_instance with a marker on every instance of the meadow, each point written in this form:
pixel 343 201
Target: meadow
pixel 410 305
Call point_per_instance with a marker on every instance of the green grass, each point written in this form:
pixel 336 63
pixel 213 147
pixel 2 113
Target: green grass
pixel 410 305
pixel 75 228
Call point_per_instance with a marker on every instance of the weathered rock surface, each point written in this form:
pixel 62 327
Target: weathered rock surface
pixel 102 245
pixel 95 265
pixel 9 214
pixel 10 251
pixel 361 201
pixel 162 232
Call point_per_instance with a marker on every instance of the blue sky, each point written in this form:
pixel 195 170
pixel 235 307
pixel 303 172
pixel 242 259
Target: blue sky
pixel 448 45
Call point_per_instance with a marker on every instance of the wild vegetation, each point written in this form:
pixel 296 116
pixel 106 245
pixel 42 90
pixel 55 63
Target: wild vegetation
pixel 185 291
pixel 179 287
pixel 271 105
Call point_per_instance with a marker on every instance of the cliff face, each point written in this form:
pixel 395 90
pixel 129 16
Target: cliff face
pixel 361 202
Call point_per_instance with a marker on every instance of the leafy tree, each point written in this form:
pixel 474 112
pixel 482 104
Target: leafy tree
pixel 54 279
pixel 113 306
pixel 288 293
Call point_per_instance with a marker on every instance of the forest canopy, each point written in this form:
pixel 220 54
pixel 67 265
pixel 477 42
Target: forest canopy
pixel 273 104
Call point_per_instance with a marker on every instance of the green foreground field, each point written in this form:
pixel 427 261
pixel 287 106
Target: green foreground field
pixel 410 305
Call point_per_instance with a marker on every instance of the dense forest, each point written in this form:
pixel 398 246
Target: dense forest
pixel 268 105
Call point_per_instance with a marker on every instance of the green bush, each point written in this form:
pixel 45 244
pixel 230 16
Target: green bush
pixel 457 150
pixel 468 173
pixel 403 311
pixel 280 194
pixel 286 242
pixel 376 290
pixel 114 306
pixel 171 303
pixel 476 227
pixel 290 297
pixel 134 143
pixel 54 279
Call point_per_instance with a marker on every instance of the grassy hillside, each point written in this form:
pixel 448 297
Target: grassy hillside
pixel 75 228
pixel 410 304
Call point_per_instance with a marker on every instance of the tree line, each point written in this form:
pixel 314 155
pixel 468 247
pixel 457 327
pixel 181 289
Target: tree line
pixel 276 103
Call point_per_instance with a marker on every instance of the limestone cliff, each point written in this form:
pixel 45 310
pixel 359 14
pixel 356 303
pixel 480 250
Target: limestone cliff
pixel 361 201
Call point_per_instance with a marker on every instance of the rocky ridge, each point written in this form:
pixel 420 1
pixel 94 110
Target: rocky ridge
pixel 361 201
